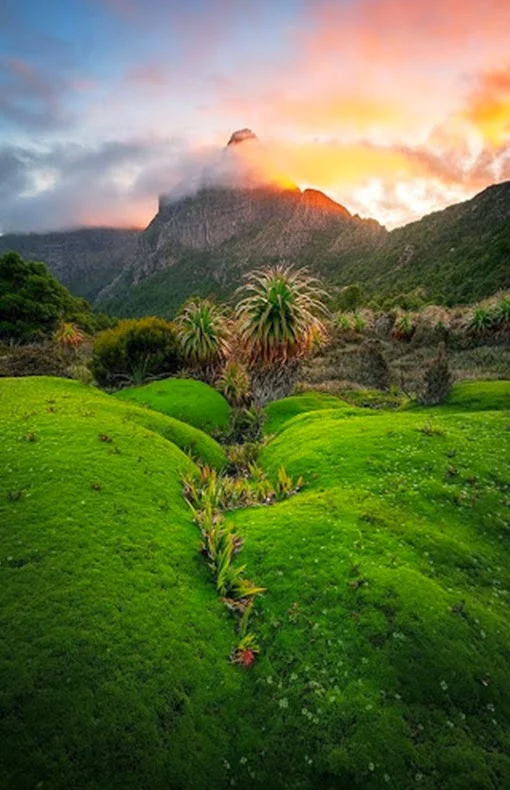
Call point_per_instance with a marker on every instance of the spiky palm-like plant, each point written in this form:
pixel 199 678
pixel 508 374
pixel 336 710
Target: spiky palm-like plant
pixel 203 335
pixel 69 337
pixel 279 322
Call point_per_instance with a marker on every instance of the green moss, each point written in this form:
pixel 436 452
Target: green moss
pixel 280 411
pixel 189 401
pixel 385 631
pixel 113 652
pixel 480 395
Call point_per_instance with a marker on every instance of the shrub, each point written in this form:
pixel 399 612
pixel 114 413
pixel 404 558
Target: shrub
pixel 350 297
pixel 437 381
pixel 234 384
pixel 343 322
pixel 68 336
pixel 81 373
pixel 412 300
pixel 375 368
pixel 134 351
pixel 32 359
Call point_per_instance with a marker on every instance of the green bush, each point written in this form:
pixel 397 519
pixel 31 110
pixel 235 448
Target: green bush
pixel 33 302
pixel 350 297
pixel 134 351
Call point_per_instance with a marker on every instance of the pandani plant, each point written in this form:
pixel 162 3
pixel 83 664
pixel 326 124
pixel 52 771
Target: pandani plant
pixel 204 336
pixel 280 321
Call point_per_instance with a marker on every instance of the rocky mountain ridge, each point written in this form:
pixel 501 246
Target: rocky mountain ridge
pixel 204 243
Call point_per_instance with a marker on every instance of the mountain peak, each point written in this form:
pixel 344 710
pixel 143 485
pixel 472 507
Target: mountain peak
pixel 241 136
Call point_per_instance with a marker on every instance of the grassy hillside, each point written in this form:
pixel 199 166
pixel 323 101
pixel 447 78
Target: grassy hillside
pixel 385 631
pixel 190 401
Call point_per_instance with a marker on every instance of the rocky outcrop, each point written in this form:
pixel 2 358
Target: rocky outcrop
pixel 84 260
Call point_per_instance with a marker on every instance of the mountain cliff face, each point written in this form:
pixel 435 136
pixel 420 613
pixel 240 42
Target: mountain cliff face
pixel 207 242
pixel 84 260
pixel 243 214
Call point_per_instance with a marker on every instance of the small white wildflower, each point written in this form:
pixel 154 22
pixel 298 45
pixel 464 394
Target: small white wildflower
pixel 284 703
pixel 444 685
pixel 371 767
pixel 243 760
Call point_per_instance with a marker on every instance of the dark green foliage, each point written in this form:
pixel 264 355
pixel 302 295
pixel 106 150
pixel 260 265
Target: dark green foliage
pixel 84 260
pixel 33 302
pixel 481 320
pixel 407 301
pixel 134 351
pixel 349 298
pixel 502 312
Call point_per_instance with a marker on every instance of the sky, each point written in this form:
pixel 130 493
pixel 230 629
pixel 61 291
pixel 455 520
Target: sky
pixel 395 108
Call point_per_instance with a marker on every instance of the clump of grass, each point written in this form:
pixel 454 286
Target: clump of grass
pixel 16 496
pixel 481 320
pixel 403 328
pixel 210 494
pixel 246 650
pixel 430 430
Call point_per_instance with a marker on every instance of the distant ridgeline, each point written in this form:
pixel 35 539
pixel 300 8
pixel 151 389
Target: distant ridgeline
pixel 236 217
